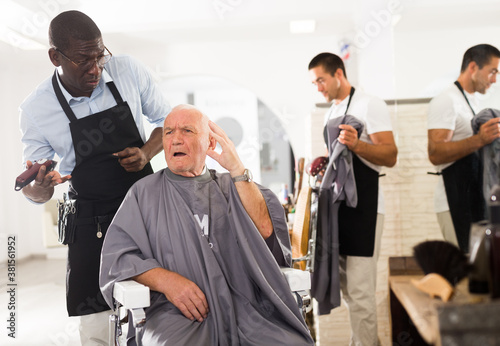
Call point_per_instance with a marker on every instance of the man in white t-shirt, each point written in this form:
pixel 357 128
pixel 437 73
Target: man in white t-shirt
pixel 360 227
pixel 452 146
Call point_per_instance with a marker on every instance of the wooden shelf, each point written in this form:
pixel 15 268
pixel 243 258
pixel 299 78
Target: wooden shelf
pixel 428 321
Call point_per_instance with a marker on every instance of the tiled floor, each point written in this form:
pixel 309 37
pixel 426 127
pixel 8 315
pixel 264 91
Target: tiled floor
pixel 41 317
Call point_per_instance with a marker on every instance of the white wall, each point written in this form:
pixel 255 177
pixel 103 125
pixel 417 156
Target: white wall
pixel 21 72
pixel 427 60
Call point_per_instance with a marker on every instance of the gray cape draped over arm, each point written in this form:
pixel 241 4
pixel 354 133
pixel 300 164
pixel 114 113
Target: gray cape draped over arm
pixel 198 228
pixel 490 154
pixel 337 185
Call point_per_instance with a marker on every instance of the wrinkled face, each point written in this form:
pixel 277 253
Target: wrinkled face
pixel 186 140
pixel 327 84
pixel 484 77
pixel 80 80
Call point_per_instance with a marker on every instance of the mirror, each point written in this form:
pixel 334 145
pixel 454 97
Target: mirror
pixel 427 58
pixel 260 139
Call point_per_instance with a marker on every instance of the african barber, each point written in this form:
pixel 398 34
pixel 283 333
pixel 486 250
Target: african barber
pixel 90 113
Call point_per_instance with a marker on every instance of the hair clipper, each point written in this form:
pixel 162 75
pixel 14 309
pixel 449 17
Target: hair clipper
pixel 30 174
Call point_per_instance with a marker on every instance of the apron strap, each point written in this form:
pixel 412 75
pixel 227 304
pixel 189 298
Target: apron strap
pixel 325 131
pixel 118 98
pixel 62 101
pixel 457 83
pixel 64 104
pixel 351 93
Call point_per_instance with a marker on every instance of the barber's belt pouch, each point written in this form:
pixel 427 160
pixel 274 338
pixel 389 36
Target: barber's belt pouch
pixel 66 220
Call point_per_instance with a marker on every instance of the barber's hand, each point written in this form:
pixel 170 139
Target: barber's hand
pixel 187 297
pixel 132 159
pixel 348 136
pixel 228 157
pixel 45 180
pixel 490 131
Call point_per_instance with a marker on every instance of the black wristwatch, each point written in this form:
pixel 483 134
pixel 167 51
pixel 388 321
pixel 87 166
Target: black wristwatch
pixel 246 176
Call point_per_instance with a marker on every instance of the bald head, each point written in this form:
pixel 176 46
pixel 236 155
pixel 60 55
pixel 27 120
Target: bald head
pixel 186 140
pixel 185 110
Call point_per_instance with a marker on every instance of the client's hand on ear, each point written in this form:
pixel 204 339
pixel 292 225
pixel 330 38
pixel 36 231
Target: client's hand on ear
pixel 228 158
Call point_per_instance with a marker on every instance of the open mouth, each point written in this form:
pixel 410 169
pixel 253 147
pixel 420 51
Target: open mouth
pixel 179 154
pixel 93 82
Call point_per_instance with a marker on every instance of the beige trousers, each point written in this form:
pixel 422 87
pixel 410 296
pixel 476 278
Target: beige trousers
pixel 358 282
pixel 94 329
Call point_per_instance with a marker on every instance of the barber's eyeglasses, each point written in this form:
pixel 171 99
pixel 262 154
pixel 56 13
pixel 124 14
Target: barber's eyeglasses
pixel 87 64
pixel 319 81
pixel 494 72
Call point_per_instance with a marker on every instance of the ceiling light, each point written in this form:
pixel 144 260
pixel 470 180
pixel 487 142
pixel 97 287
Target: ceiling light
pixel 302 26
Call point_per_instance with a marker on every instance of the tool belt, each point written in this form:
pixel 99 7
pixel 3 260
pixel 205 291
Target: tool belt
pixel 66 219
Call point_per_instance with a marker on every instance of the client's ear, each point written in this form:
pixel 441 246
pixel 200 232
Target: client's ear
pixel 212 143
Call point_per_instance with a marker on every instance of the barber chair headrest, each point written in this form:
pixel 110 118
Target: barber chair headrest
pixel 317 165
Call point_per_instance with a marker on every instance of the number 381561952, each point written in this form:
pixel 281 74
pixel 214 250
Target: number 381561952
pixel 11 254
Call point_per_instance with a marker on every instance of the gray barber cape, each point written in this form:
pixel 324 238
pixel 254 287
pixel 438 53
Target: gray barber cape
pixel 198 228
pixel 338 185
pixel 490 154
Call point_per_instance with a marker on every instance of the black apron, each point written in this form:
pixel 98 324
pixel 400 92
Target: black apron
pixel 357 225
pixel 99 184
pixel 464 191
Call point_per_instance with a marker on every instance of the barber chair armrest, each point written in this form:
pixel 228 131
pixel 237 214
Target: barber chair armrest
pixel 299 282
pixel 130 297
pixel 131 294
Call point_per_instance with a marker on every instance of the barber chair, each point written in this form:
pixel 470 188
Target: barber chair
pixel 131 298
pixel 303 234
pixel 306 217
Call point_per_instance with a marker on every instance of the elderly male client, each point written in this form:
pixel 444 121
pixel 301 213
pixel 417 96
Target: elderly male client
pixel 208 245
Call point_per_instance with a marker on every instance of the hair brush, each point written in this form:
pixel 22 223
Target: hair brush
pixel 444 265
